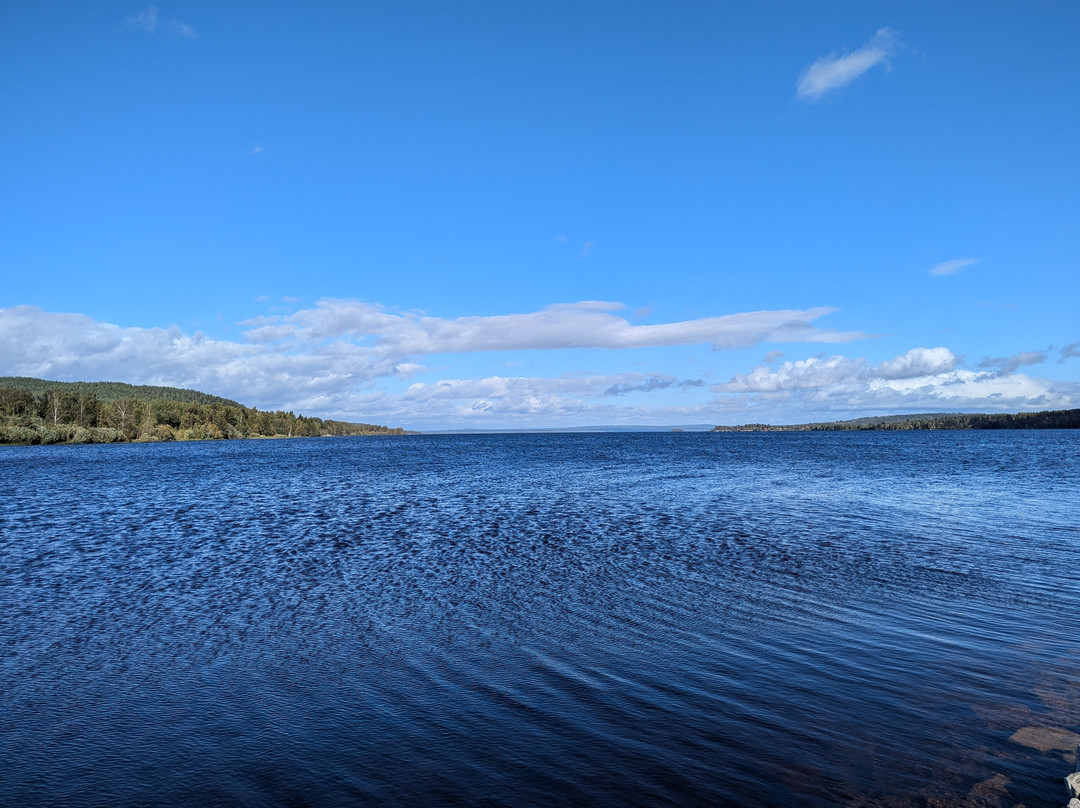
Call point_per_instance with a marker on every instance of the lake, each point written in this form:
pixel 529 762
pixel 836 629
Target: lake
pixel 745 619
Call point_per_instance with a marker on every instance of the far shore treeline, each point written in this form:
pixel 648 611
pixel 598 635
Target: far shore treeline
pixel 37 411
pixel 1052 419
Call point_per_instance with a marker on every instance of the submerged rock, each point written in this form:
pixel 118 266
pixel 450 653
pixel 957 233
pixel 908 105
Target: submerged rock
pixel 1046 739
pixel 992 793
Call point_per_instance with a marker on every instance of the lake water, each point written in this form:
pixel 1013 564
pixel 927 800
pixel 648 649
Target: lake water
pixel 830 619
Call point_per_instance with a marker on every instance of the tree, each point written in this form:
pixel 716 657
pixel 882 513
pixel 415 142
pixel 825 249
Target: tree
pixel 88 408
pixel 54 401
pixel 262 424
pixel 191 416
pixel 148 422
pixel 17 402
pixel 123 412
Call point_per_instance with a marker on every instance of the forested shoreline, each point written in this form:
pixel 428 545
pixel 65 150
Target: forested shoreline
pixel 1051 419
pixel 35 411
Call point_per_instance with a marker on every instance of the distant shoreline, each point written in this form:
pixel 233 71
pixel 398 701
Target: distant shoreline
pixel 1048 419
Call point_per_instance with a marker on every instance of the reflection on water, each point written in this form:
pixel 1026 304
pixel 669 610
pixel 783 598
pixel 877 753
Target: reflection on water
pixel 597 619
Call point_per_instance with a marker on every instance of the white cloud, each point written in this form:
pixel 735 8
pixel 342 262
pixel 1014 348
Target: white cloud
pixel 833 72
pixel 73 346
pixel 918 362
pixel 923 379
pixel 567 400
pixel 270 333
pixel 968 390
pixel 589 324
pixel 352 360
pixel 952 267
pixel 800 375
pixel 567 384
pixel 330 352
pixel 818 372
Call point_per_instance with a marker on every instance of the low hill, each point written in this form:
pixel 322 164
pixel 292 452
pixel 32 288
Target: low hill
pixel 40 411
pixel 111 391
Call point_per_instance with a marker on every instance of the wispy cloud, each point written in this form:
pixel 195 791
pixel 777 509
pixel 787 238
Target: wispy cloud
pixel 646 386
pixel 636 383
pixel 183 29
pixel 149 20
pixel 583 398
pixel 1009 364
pixel 566 384
pixel 833 72
pixel 1072 349
pixel 952 267
pixel 588 324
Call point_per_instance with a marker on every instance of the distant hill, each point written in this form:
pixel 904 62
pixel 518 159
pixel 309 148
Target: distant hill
pixel 41 411
pixel 112 391
pixel 1049 419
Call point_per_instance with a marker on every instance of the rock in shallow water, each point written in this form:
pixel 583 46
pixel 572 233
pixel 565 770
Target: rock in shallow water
pixel 1073 782
pixel 1046 739
pixel 991 793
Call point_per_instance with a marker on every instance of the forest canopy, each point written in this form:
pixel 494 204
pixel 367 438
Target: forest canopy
pixel 39 411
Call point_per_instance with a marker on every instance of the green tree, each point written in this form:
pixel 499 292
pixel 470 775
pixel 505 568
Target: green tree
pixel 51 406
pixel 123 415
pixel 88 407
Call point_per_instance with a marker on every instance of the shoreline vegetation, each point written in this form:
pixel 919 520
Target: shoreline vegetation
pixel 1050 419
pixel 36 411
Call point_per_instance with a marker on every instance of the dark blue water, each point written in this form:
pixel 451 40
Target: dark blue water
pixel 683 619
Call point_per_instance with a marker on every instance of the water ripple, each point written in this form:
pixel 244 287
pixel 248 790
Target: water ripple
pixel 593 619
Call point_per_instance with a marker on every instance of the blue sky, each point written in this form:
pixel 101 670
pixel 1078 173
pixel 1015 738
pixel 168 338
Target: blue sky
pixel 490 214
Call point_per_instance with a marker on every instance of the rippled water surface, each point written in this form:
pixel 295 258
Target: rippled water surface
pixel 684 619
